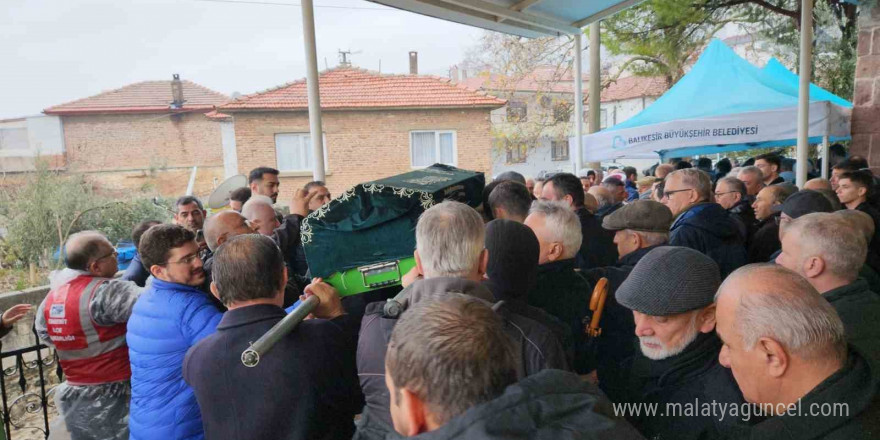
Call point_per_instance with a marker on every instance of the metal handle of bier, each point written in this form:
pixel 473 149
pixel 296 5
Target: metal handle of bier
pixel 251 356
pixel 395 306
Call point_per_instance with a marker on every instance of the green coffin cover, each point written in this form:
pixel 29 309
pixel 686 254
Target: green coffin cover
pixel 376 221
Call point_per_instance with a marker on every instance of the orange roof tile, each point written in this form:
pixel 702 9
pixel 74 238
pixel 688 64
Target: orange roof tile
pixel 350 88
pixel 142 97
pixel 217 116
pixel 634 87
pixel 542 79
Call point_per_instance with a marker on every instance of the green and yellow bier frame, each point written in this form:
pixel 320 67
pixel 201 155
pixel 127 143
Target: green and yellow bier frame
pixel 363 240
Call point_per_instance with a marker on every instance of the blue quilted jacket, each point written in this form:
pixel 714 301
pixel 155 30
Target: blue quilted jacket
pixel 166 321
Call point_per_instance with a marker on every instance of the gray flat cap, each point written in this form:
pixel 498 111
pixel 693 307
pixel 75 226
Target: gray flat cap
pixel 670 280
pixel 641 215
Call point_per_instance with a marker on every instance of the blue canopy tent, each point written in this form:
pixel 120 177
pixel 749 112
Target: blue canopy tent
pixel 723 104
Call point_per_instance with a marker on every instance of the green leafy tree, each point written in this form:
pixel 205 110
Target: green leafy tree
pixel 534 74
pixel 41 214
pixel 834 40
pixel 661 37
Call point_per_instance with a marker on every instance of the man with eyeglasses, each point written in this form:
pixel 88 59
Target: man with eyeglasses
pixel 731 194
pixel 169 318
pixel 84 317
pixel 701 224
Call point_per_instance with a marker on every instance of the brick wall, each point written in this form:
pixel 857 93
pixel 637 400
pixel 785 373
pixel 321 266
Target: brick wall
pixel 141 141
pixel 866 100
pixel 361 145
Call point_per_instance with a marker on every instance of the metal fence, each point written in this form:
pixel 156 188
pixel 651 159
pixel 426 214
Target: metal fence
pixel 27 389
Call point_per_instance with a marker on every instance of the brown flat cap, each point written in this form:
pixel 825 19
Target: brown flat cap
pixel 641 215
pixel 644 181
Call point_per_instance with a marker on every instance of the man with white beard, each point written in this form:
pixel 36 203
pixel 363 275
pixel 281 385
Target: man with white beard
pixel 671 294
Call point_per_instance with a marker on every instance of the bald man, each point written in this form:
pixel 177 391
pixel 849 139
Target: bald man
pixel 224 226
pixel 258 209
pixel 604 199
pixel 663 170
pixel 818 184
pixel 590 203
pixel 84 317
pixel 787 350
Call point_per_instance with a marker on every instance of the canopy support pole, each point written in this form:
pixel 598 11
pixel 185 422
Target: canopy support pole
pixel 825 164
pixel 315 130
pixel 805 70
pixel 595 84
pixel 578 104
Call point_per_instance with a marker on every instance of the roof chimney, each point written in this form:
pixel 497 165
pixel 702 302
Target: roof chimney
pixel 453 73
pixel 177 92
pixel 413 63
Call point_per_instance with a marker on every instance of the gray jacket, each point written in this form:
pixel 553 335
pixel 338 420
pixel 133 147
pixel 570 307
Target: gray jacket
pixel 537 346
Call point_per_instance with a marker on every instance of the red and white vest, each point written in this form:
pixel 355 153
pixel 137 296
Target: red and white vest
pixel 89 353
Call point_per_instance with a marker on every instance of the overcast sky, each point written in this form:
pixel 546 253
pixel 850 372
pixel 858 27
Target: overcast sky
pixel 54 51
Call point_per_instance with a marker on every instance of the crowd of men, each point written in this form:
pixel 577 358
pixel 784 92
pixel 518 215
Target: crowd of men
pixel 738 307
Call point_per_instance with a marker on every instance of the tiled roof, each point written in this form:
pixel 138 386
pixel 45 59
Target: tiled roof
pixel 217 116
pixel 634 87
pixel 543 80
pixel 528 83
pixel 350 88
pixel 142 97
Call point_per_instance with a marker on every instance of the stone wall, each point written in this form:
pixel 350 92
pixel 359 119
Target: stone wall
pixel 21 335
pixel 866 100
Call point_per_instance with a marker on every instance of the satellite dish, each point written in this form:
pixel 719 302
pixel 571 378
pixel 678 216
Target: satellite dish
pixel 220 197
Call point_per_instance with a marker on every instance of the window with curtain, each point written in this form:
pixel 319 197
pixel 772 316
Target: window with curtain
pixel 293 152
pixel 430 147
pixel 560 149
pixel 516 154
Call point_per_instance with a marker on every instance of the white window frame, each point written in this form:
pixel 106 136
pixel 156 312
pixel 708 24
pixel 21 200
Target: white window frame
pixel 554 157
pixel 437 134
pixel 299 133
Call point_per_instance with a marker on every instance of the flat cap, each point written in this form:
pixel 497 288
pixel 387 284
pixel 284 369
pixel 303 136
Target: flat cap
pixel 647 180
pixel 804 202
pixel 640 215
pixel 670 280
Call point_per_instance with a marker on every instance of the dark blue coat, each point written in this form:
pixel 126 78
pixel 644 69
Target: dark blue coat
pixel 136 271
pixel 597 248
pixel 306 387
pixel 708 228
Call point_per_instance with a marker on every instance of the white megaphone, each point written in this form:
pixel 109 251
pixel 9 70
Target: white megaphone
pixel 220 197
